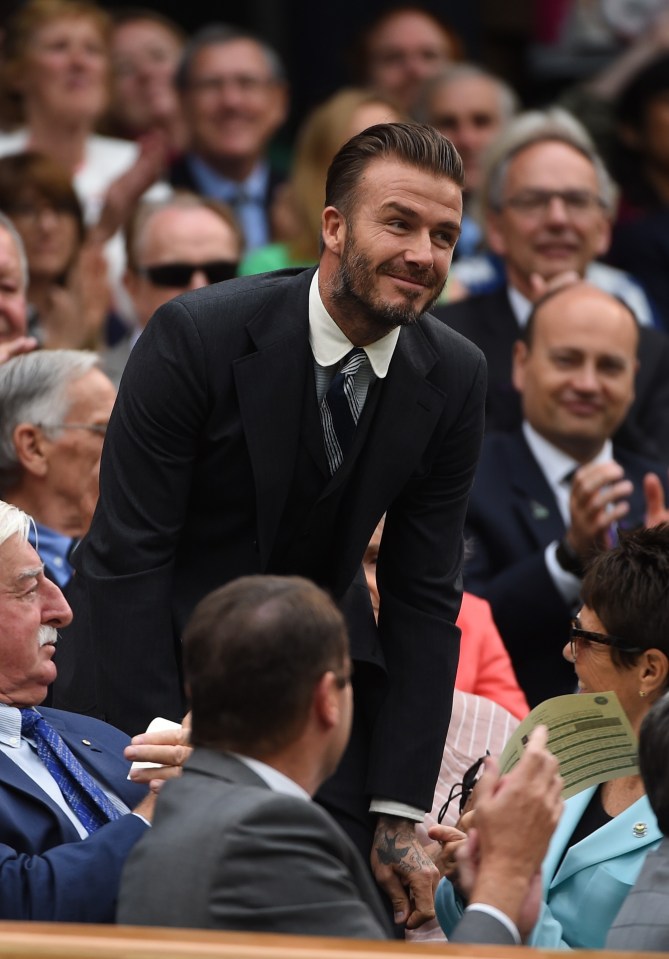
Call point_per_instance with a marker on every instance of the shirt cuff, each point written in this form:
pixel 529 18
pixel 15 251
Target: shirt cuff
pixel 496 914
pixel 391 808
pixel 139 816
pixel 567 585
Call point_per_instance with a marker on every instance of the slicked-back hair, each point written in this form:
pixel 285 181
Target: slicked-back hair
pixel 626 587
pixel 254 651
pixel 33 389
pixel 653 752
pixel 416 144
pixel 217 34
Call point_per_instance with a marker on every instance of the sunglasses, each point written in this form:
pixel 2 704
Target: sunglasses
pixel 464 789
pixel 179 274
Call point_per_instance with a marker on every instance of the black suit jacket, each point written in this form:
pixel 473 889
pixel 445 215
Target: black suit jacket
pixel 199 472
pixel 489 321
pixel 512 517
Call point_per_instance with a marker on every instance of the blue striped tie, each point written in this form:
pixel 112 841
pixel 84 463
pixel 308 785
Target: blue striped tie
pixel 80 791
pixel 340 410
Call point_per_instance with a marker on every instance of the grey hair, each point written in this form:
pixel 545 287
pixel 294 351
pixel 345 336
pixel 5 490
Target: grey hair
pixel 215 34
pixel 508 99
pixel 6 224
pixel 541 126
pixel 13 521
pixel 33 389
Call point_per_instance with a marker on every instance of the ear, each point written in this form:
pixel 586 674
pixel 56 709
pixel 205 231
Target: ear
pixel 654 672
pixel 495 234
pixel 603 238
pixel 520 353
pixel 31 449
pixel 333 227
pixel 327 701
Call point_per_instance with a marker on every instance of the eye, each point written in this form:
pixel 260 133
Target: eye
pixel 444 239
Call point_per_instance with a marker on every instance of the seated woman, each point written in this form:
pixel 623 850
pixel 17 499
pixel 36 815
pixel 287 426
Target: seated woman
pixel 619 643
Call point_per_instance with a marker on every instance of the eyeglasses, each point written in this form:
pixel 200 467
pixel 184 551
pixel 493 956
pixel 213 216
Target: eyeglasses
pixel 180 274
pixel 535 203
pixel 578 635
pixel 244 83
pixel 465 788
pixel 99 428
pixel 32 214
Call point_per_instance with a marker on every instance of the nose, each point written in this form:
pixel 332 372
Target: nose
pixel 585 378
pixel 56 611
pixel 420 250
pixel 567 653
pixel 556 211
pixel 198 279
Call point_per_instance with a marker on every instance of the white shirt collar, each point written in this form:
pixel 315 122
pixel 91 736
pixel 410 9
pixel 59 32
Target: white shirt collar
pixel 555 464
pixel 10 725
pixel 521 306
pixel 277 781
pixel 330 345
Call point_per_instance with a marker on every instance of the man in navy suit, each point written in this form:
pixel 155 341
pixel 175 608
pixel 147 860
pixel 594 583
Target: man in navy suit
pixel 552 493
pixel 50 867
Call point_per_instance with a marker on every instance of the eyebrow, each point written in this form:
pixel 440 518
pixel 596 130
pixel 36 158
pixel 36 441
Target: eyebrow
pixel 412 214
pixel 30 573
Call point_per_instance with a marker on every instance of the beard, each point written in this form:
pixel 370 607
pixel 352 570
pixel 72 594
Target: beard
pixel 353 288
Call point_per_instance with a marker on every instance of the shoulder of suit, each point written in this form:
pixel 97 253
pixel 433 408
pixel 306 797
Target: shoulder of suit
pixel 254 290
pixel 76 724
pixel 443 337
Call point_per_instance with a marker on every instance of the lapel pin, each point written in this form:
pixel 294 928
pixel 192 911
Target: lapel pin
pixel 639 830
pixel 538 510
pixel 86 742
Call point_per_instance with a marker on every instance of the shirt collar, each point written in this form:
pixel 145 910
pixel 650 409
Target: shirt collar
pixel 212 183
pixel 54 550
pixel 277 781
pixel 10 725
pixel 329 344
pixel 555 464
pixel 520 305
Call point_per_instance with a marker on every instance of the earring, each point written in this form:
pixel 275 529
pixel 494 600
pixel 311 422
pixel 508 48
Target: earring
pixel 642 693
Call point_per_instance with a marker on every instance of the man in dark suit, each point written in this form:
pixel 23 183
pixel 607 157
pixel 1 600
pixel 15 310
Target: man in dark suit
pixel 548 495
pixel 46 872
pixel 643 920
pixel 548 202
pixel 215 466
pixel 234 98
pixel 237 842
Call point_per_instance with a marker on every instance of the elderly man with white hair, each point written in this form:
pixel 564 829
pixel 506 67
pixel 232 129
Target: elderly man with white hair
pixel 65 800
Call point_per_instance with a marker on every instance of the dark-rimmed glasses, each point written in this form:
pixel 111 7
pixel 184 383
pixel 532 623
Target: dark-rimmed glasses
pixel 179 274
pixel 465 788
pixel 577 634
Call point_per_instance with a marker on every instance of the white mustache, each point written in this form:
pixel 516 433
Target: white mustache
pixel 47 635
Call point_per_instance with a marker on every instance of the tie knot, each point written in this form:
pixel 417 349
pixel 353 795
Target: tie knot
pixel 29 719
pixel 353 361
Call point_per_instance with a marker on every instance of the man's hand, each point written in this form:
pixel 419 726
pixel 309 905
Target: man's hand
pixel 168 747
pixel 22 344
pixel 541 286
pixel 597 501
pixel 404 870
pixel 656 509
pixel 443 851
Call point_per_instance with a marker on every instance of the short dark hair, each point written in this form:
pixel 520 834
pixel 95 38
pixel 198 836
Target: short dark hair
pixel 626 587
pixel 416 144
pixel 653 752
pixel 253 653
pixel 527 332
pixel 217 34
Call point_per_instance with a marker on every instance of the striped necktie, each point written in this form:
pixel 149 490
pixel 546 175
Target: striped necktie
pixel 82 794
pixel 340 410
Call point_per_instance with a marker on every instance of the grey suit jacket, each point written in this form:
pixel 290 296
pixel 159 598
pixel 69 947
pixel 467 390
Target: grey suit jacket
pixel 643 921
pixel 226 852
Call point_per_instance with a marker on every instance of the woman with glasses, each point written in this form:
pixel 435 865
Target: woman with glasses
pixel 619 643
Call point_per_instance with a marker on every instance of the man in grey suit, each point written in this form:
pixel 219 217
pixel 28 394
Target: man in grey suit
pixel 237 842
pixel 643 921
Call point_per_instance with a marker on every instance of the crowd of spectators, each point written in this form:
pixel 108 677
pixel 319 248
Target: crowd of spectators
pixel 137 163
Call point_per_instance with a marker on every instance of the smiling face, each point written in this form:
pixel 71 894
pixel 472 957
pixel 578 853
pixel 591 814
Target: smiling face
pixel 387 263
pixel 50 235
pixel 145 55
pixel 555 239
pixel 576 378
pixel 66 70
pixel 31 609
pixel 233 105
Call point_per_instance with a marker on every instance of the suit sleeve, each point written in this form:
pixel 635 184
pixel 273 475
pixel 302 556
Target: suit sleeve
pixel 74 882
pixel 125 566
pixel 420 588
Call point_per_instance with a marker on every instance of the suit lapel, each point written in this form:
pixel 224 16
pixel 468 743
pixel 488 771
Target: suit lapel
pixel 270 389
pixel 13 777
pixel 534 499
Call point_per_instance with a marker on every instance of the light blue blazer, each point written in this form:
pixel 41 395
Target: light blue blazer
pixel 584 896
